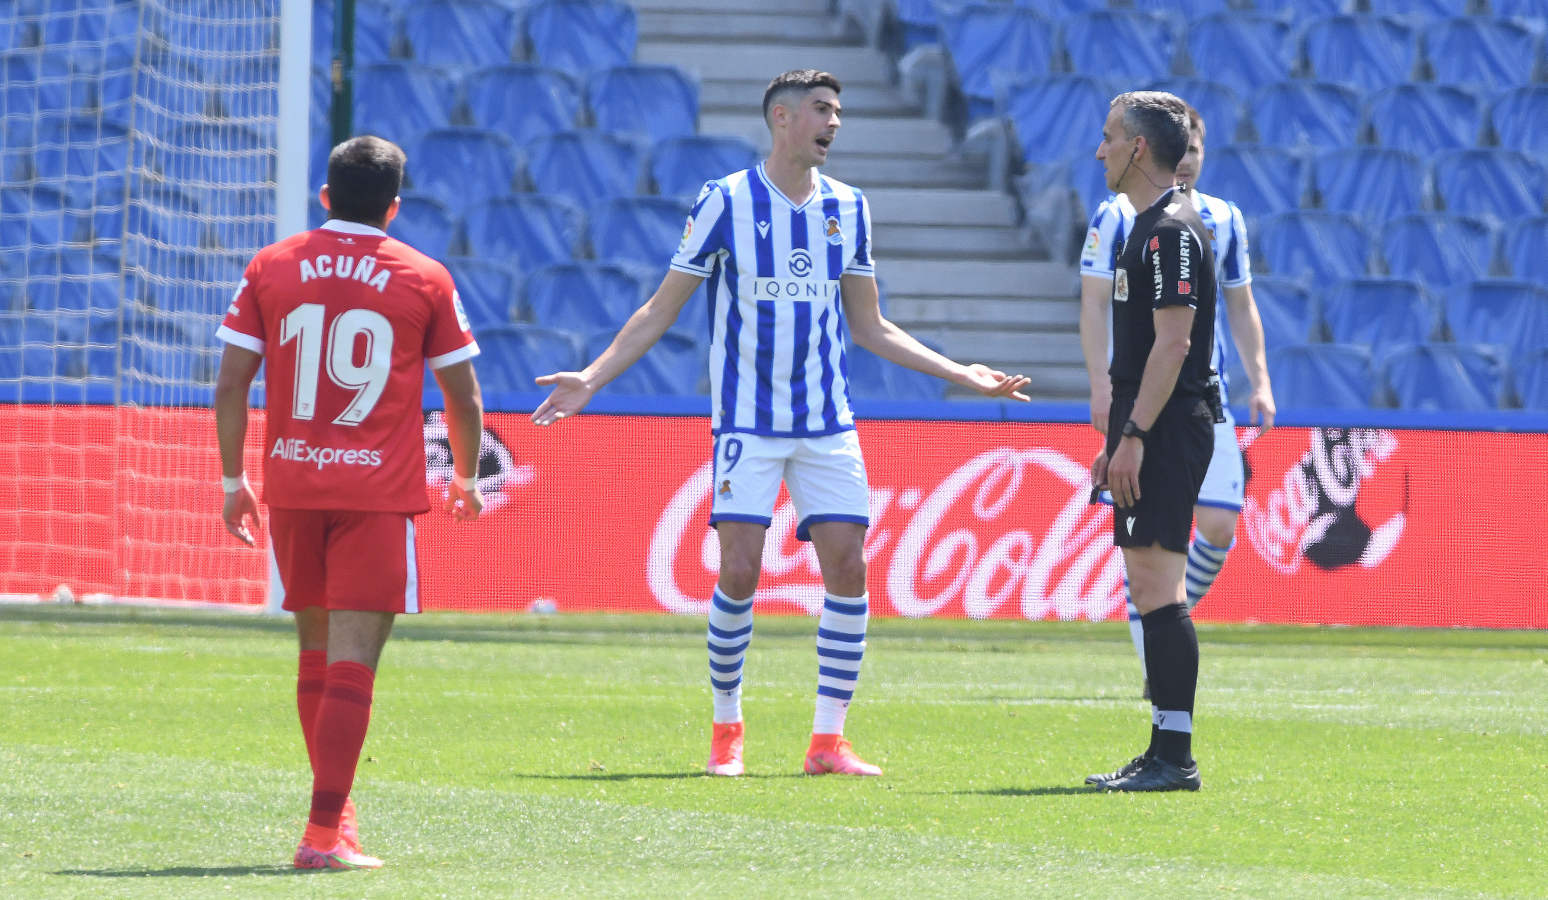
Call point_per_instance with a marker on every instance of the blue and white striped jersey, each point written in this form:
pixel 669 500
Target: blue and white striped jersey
pixel 776 361
pixel 1114 218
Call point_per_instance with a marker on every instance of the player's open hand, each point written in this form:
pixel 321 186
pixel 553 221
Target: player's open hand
pixel 994 383
pixel 463 504
pixel 1261 410
pixel 570 395
pixel 239 512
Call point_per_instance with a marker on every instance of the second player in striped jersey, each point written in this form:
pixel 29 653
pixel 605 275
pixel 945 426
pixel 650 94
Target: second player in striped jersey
pixel 787 253
pixel 1220 498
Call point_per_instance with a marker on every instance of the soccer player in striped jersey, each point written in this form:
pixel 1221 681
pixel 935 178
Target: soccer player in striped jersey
pixel 1220 499
pixel 787 252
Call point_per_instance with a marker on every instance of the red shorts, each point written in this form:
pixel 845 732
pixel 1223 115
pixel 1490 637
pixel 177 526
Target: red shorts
pixel 343 560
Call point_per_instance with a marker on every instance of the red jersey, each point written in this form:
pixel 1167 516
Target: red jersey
pixel 346 319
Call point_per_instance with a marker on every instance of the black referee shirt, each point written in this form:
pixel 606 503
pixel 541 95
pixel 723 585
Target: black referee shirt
pixel 1166 261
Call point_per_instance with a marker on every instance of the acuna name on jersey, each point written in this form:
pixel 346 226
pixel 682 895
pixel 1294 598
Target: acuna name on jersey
pixel 362 269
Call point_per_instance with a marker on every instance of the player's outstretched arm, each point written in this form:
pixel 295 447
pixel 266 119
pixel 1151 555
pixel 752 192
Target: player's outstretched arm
pixel 573 390
pixel 1095 306
pixel 1247 333
pixel 464 431
pixel 871 330
pixel 238 366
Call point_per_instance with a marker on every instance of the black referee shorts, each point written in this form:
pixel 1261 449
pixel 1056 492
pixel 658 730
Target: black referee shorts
pixel 1177 452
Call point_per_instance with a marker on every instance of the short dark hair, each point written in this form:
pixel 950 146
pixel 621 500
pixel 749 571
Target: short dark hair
pixel 796 81
pixel 1195 120
pixel 364 174
pixel 1161 119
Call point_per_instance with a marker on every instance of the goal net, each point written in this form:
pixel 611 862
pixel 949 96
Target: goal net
pixel 139 176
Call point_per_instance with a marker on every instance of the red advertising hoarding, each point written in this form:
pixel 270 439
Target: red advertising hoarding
pixel 979 519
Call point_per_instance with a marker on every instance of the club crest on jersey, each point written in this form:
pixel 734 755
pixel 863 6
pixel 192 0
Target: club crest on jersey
pixel 800 262
pixel 1121 286
pixel 832 231
pixel 725 489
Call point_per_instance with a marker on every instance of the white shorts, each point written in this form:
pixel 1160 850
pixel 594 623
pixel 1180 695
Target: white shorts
pixel 825 475
pixel 1225 482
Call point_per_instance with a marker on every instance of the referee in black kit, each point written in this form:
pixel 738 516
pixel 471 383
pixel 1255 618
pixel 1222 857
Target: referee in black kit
pixel 1165 403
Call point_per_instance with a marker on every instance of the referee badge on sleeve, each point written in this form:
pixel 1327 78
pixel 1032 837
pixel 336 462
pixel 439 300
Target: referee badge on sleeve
pixel 1121 286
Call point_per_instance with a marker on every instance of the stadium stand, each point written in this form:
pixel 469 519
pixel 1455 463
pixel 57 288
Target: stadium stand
pixel 1260 179
pixel 490 290
pixel 426 223
pixel 453 164
pixel 676 364
pixel 1510 315
pixel 1485 54
pixel 874 378
pixel 460 33
pixel 1375 183
pixel 581 36
pixel 1337 376
pixel 1531 381
pixel 1523 245
pixel 399 99
pixel 1218 104
pixel 1149 41
pixel 1243 52
pixel 1442 376
pixel 678 166
pixel 1437 249
pixel 1491 183
pixel 1078 102
pixel 650 101
pixel 1299 113
pixel 530 230
pixel 585 166
pixel 585 296
pixel 1374 311
pixel 376 31
pixel 522 101
pixel 1424 118
pixel 1365 52
pixel 641 231
pixel 1520 118
pixel 1321 246
pixel 989 43
pixel 513 355
pixel 1289 311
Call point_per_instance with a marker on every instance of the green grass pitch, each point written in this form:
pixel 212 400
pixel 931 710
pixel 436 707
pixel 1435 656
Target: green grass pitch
pixel 154 754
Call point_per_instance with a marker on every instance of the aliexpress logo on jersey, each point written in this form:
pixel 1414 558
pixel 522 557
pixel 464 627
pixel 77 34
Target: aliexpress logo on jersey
pixel 298 450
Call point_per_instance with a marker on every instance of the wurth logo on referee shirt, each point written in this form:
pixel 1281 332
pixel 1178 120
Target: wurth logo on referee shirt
pixel 298 450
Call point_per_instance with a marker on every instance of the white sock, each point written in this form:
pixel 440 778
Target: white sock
pixel 840 647
pixel 1136 628
pixel 730 631
pixel 1204 562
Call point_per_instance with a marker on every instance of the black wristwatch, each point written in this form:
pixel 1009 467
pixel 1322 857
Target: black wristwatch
pixel 1132 430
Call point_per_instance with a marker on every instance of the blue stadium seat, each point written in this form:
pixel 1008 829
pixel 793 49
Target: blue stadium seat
pixel 59 280
pixel 1261 179
pixel 1415 12
pixel 523 101
pixel 1524 243
pixel 1520 119
pixel 11 364
pixel 1374 183
pixel 1306 113
pixel 39 80
pixel 167 216
pixel 920 23
pixel 376 31
pixel 583 296
pixel 1494 184
pixel 1288 310
pixel 1219 106
pixel 1521 9
pixel 427 224
pixel 193 157
pixel 490 290
pixel 581 36
pixel 1089 179
pixel 1424 118
pixel 1078 103
pixel 1438 249
pixel 1486 53
pixel 1194 9
pixel 585 166
pixel 530 230
pixel 1444 377
pixel 241 218
pixel 1149 41
pixel 461 33
pixel 512 355
pixel 680 166
pixel 1379 311
pixel 1335 376
pixel 648 101
pixel 676 365
pixel 399 100
pixel 1365 52
pixel 1531 378
pixel 1301 11
pixel 1245 52
pixel 643 231
pixel 457 164
pixel 993 42
pixel 874 378
pixel 1512 315
pixel 1320 246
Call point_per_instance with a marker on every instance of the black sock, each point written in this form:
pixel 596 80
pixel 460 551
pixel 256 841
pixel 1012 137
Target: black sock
pixel 1172 664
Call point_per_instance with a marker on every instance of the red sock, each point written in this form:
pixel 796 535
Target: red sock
pixel 342 719
pixel 310 677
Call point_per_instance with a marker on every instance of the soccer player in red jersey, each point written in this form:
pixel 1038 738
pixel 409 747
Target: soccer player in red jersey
pixel 346 319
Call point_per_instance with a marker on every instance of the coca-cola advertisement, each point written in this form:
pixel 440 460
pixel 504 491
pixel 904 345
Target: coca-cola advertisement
pixel 1359 526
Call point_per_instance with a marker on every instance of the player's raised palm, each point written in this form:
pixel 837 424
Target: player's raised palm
pixel 994 383
pixel 570 395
